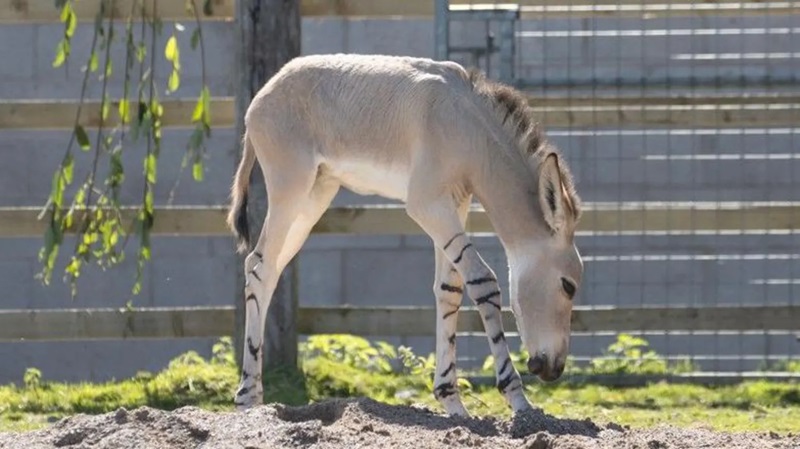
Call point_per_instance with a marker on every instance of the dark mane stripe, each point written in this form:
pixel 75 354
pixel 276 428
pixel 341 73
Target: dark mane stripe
pixel 512 106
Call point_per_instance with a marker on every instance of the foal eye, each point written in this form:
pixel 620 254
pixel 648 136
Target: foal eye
pixel 569 287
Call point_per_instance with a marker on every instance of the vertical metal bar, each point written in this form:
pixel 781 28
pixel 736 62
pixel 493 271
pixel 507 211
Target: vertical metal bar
pixel 442 30
pixel 506 65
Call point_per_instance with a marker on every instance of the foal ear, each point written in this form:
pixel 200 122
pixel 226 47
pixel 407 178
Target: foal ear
pixel 551 194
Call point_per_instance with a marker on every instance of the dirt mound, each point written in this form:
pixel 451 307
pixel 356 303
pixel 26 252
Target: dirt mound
pixel 362 423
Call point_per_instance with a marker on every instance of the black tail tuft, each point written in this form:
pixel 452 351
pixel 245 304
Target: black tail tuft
pixel 240 225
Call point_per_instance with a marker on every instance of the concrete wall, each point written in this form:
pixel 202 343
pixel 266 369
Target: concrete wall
pixel 609 166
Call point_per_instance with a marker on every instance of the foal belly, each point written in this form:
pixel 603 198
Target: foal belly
pixel 370 178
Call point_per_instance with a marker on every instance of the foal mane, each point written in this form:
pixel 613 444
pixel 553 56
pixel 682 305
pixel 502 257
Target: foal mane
pixel 516 117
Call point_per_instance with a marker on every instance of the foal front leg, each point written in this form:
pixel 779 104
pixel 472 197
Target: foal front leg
pixel 440 221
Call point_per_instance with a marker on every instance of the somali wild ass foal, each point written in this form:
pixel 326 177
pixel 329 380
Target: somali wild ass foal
pixel 430 134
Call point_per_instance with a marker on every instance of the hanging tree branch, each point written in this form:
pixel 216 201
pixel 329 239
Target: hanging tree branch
pixel 93 209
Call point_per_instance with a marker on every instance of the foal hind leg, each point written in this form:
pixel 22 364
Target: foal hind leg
pixel 291 214
pixel 448 288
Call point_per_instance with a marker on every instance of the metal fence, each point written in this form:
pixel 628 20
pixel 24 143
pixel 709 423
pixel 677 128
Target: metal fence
pixel 679 121
pixel 678 103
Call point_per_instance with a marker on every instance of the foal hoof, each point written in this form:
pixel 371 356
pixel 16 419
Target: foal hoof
pixel 244 404
pixel 246 399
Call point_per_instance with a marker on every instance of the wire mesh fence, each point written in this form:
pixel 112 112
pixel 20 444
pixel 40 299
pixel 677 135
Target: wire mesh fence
pixel 683 104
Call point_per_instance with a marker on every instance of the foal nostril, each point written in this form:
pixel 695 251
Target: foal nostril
pixel 536 364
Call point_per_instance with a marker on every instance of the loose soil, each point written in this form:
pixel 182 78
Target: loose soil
pixel 364 423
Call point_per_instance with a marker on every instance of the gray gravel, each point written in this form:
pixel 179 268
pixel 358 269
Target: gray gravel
pixel 363 423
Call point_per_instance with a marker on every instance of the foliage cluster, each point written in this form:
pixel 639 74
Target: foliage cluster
pixel 93 208
pixel 346 366
pixel 627 355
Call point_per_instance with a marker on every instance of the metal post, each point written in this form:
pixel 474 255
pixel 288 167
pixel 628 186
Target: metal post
pixel 506 46
pixel 442 33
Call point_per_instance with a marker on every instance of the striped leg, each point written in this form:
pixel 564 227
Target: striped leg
pixel 288 224
pixel 448 287
pixel 440 220
pixel 484 290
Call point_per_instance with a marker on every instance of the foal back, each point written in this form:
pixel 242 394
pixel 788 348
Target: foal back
pixel 354 111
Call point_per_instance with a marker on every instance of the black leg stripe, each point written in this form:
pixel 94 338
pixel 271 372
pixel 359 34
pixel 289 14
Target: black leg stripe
pixel 500 336
pixel 447 315
pixel 252 349
pixel 452 339
pixel 505 382
pixel 252 297
pixel 258 254
pixel 482 280
pixel 451 367
pixel 243 391
pixel 444 390
pixel 255 275
pixel 451 288
pixel 449 242
pixel 487 299
pixel 505 365
pixel 461 254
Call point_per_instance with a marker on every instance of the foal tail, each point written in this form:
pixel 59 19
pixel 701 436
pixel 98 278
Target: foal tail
pixel 237 213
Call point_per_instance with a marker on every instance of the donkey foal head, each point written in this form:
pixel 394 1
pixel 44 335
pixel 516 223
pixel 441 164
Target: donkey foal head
pixel 545 273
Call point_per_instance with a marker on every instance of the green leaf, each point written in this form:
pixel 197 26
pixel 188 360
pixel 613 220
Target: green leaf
pixel 197 171
pixel 174 81
pixel 124 110
pixel 61 53
pixel 150 164
pixel 104 109
pixel 195 38
pixel 141 52
pixel 171 50
pixel 199 109
pixel 156 108
pixel 66 11
pixel 108 68
pixel 202 110
pixel 57 190
pixel 82 138
pixel 74 267
pixel 80 195
pixel 93 62
pixel 71 22
pixel 68 168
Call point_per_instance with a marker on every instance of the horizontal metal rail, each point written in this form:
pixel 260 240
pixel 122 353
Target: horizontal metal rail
pixel 42 11
pixel 583 111
pixel 629 217
pixel 215 321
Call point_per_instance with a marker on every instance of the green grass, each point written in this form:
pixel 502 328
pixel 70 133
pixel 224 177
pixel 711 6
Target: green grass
pixel 749 406
pixel 347 366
